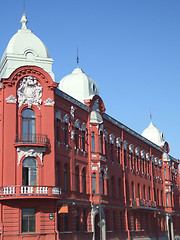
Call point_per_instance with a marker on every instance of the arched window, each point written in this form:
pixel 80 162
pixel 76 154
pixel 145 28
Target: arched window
pixel 149 193
pixel 66 134
pixel 165 173
pixel 84 180
pixel 77 178
pixel 76 137
pixel 144 192
pixel 77 219
pixel 132 190
pixel 83 140
pixel 138 188
pixel 65 178
pixel 157 197
pixel 125 158
pixel 94 182
pixel 161 197
pixel 93 142
pixel 28 125
pixel 119 155
pixel 29 172
pixel 102 183
pixel 101 142
pixel 113 187
pixel 112 154
pixel 57 130
pixel 167 199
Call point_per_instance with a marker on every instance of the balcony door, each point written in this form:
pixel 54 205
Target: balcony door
pixel 29 172
pixel 28 126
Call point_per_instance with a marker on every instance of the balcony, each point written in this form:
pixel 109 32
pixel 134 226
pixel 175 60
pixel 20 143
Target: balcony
pixel 10 192
pixel 31 139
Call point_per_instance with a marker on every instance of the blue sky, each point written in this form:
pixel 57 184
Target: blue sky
pixel 130 48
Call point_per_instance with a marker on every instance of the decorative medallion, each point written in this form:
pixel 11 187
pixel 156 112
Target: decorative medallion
pixel 29 92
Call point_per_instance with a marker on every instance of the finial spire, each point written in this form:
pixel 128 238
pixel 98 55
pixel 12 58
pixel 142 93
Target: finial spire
pixel 24 21
pixel 77 58
pixel 150 115
pixel 24 6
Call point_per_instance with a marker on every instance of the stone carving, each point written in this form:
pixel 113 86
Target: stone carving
pixel 148 157
pixel 131 148
pixel 49 102
pixel 83 127
pixel 29 92
pixel 58 115
pixel 77 123
pixel 118 142
pixel 72 134
pixel 72 111
pixel 143 154
pixel 137 150
pixel 11 99
pixel 111 138
pixel 30 152
pixel 125 144
pixel 66 118
pixel 95 116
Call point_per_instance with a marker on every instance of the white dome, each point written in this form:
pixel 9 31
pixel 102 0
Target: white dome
pixel 79 85
pixel 25 48
pixel 154 135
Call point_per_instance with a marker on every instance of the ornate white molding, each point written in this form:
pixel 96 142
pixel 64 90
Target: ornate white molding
pixel 95 116
pixel 30 152
pixel 131 148
pixel 137 151
pixel 125 144
pixel 118 142
pixel 49 102
pixel 111 138
pixel 72 112
pixel 11 99
pixel 142 154
pixel 29 92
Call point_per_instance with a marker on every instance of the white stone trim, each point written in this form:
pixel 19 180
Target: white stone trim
pixel 49 102
pixel 11 99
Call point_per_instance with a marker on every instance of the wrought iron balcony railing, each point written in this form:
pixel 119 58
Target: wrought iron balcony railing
pixel 31 138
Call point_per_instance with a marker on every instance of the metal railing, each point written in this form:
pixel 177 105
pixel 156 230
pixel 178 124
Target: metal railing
pixel 32 138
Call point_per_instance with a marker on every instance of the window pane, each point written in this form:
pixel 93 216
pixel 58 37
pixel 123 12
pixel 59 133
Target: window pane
pixel 28 113
pixel 28 220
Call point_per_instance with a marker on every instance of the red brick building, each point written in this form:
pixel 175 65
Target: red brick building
pixel 67 169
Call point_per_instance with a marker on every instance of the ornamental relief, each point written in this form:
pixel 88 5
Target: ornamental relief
pixel 30 152
pixel 29 92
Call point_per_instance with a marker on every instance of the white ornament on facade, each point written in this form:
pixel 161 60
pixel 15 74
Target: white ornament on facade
pixel 72 134
pixel 148 157
pixel 49 102
pixel 95 116
pixel 29 92
pixel 131 148
pixel 72 112
pixel 111 138
pixel 11 99
pixel 125 144
pixel 142 154
pixel 30 152
pixel 137 150
pixel 118 142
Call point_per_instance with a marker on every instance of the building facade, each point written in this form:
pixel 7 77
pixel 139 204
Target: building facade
pixel 68 170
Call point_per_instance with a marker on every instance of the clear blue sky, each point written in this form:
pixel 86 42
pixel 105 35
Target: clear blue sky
pixel 130 48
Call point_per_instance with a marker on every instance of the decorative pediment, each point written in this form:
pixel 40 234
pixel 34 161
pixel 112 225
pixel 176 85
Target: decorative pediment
pixel 142 154
pixel 137 151
pixel 11 99
pixel 49 102
pixel 29 92
pixel 95 116
pixel 148 157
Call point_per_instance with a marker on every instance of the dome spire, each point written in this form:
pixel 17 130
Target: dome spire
pixel 77 59
pixel 24 21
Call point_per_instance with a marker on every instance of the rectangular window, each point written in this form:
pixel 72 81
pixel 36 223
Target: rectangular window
pixel 28 220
